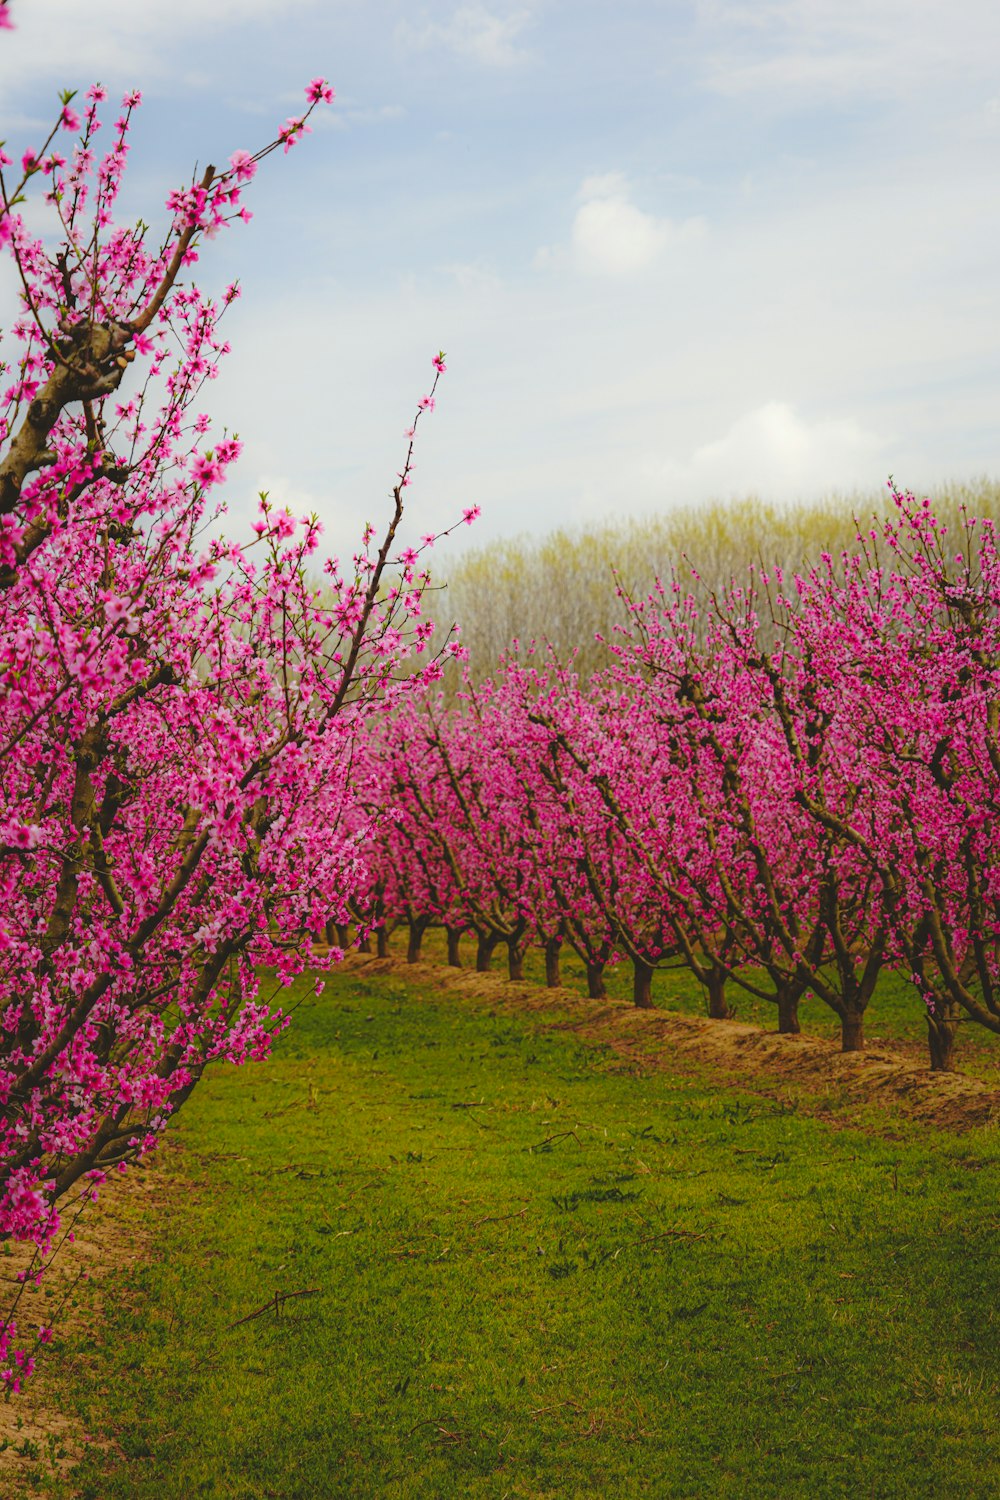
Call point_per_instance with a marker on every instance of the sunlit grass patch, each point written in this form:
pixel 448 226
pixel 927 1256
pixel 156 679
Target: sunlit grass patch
pixel 426 1251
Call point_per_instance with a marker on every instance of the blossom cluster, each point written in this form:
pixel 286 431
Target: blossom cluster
pixel 180 804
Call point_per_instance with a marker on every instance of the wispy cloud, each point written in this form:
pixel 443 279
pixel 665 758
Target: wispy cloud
pixel 773 451
pixel 106 39
pixel 823 50
pixel 473 32
pixel 346 115
pixel 611 236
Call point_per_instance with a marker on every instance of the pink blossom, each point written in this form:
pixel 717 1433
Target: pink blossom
pixel 319 90
pixel 243 164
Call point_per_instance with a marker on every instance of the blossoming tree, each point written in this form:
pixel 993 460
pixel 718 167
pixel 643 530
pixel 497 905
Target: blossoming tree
pixel 178 717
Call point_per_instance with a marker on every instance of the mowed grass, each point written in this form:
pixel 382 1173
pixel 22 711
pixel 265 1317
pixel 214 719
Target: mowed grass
pixel 895 1016
pixel 533 1272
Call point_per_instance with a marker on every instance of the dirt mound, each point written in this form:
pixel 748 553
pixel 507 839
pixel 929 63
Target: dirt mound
pixel 806 1068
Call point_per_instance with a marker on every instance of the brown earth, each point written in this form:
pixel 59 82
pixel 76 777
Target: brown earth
pixel 111 1236
pixel 805 1070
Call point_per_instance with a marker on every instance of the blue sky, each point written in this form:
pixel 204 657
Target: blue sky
pixel 673 250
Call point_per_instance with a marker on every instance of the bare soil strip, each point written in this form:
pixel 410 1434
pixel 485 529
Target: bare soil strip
pixel 111 1235
pixel 805 1070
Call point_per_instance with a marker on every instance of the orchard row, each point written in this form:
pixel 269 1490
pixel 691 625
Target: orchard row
pixel 787 792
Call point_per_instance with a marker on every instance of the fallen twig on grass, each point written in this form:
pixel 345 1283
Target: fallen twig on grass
pixel 276 1302
pixel 559 1136
pixel 498 1218
pixel 649 1239
pixel 434 1422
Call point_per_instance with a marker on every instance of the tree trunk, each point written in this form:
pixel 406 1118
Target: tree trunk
pixel 453 935
pixel 382 941
pixel 331 934
pixel 515 959
pixel 718 1010
pixel 343 935
pixel 852 1031
pixel 642 984
pixel 941 1031
pixel 595 982
pixel 788 1011
pixel 365 945
pixel 418 926
pixel 552 976
pixel 484 952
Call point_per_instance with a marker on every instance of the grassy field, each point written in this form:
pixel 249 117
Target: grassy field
pixel 513 1266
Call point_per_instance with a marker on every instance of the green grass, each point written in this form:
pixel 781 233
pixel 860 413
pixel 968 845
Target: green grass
pixel 536 1272
pixel 895 1017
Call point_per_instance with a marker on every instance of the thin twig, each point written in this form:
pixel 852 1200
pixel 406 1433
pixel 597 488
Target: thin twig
pixel 498 1218
pixel 559 1136
pixel 276 1302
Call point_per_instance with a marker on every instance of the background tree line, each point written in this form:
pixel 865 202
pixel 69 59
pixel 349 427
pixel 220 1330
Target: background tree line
pixel 560 587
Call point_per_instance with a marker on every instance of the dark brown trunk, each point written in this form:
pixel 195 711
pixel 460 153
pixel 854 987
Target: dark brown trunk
pixel 552 976
pixel 515 959
pixel 595 982
pixel 642 984
pixel 484 952
pixel 343 935
pixel 941 1029
pixel 418 926
pixel 716 988
pixel 382 941
pixel 852 1031
pixel 453 935
pixel 788 1012
pixel 365 945
pixel 331 934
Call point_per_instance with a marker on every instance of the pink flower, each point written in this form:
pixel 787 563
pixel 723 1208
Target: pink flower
pixel 469 515
pixel 426 403
pixel 206 470
pixel 115 609
pixel 243 165
pixel 291 130
pixel 6 24
pixel 319 90
pixel 438 363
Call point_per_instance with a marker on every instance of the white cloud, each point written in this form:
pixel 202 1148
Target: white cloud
pixel 611 236
pixel 772 451
pixel 472 32
pixel 346 116
pixel 118 40
pixel 807 50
